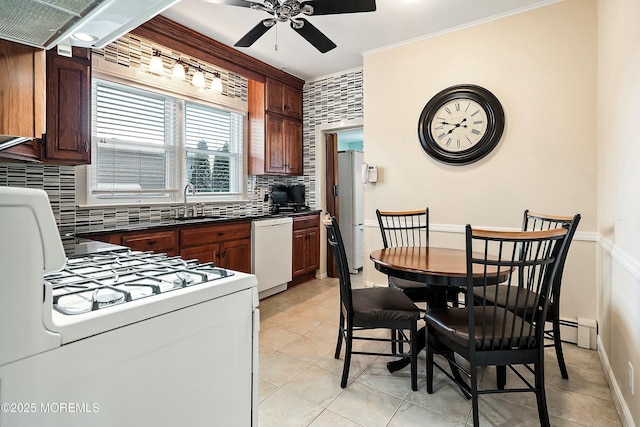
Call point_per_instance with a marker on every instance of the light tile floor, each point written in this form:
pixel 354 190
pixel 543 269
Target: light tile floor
pixel 299 379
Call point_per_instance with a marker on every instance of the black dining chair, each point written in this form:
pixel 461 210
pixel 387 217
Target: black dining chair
pixel 406 228
pixel 485 334
pixel 532 222
pixel 370 308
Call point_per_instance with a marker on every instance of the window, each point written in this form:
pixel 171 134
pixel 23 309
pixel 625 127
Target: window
pixel 213 140
pixel 147 146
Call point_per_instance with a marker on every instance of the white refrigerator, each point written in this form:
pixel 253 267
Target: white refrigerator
pixel 350 205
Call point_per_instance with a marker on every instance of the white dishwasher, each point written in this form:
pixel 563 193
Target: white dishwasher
pixel 271 254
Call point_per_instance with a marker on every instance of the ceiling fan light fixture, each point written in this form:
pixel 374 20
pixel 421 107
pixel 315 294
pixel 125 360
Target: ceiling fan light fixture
pixel 155 63
pixel 178 71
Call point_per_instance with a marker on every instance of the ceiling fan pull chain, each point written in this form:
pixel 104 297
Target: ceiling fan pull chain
pixel 276 47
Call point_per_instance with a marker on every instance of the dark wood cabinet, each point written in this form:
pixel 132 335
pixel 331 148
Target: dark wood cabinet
pixel 306 247
pixel 283 99
pixel 156 241
pixel 68 136
pixel 63 122
pixel 22 97
pixel 226 245
pixel 275 138
pixel 283 148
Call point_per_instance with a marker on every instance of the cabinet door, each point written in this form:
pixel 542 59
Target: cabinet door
pixel 274 96
pixel 292 102
pixel 299 262
pixel 68 109
pixel 293 145
pixel 313 249
pixel 236 255
pixel 275 160
pixel 208 253
pixel 22 97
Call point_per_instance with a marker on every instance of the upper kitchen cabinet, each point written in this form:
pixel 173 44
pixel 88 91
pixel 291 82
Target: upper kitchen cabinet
pixel 30 75
pixel 283 99
pixel 68 137
pixel 275 136
pixel 22 98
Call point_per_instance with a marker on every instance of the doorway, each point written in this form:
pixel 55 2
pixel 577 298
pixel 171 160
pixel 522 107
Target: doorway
pixel 344 191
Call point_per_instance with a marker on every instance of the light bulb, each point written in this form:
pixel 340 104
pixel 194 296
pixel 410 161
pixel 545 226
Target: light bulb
pixel 155 64
pixel 178 71
pixel 216 83
pixel 198 79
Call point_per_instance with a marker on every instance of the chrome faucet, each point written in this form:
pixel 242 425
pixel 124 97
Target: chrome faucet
pixel 193 191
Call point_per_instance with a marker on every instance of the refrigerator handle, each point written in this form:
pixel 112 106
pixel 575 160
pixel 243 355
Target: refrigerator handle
pixel 335 191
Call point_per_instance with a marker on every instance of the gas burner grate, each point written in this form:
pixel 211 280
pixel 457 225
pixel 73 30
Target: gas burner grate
pixel 98 281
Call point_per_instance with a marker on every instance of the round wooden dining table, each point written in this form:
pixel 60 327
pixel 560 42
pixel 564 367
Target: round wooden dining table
pixel 439 269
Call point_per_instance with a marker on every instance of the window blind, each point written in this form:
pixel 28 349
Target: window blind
pixel 135 136
pixel 213 142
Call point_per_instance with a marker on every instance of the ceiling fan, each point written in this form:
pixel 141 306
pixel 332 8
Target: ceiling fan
pixel 288 10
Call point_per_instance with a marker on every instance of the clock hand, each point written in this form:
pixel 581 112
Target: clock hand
pixel 457 125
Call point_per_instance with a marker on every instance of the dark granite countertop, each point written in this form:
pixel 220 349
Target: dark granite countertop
pixel 208 219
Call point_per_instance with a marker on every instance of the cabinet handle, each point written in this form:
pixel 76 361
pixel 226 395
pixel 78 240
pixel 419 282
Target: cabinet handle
pixel 86 147
pixel 224 254
pixel 152 242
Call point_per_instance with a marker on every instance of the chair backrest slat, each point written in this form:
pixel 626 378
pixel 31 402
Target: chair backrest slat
pixel 406 228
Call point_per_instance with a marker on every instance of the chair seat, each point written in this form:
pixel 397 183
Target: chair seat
pixel 383 304
pixel 517 299
pixel 453 322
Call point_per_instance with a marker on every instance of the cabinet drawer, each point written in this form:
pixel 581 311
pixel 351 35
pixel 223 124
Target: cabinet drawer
pixel 302 222
pixel 198 236
pixel 164 241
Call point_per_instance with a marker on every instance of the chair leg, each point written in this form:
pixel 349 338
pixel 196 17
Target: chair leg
pixel 474 395
pixel 429 370
pixel 541 398
pixel 347 356
pixel 394 335
pixel 557 343
pixel 501 374
pixel 414 357
pixel 340 336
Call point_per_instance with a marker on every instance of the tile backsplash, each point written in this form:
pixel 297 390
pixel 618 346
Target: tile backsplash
pixel 328 100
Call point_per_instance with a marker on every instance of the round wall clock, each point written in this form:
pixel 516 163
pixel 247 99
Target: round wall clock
pixel 461 124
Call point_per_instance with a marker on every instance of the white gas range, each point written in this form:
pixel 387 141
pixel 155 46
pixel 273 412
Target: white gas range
pixel 120 338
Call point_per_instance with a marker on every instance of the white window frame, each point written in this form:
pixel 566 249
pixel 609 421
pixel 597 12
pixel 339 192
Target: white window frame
pixel 186 94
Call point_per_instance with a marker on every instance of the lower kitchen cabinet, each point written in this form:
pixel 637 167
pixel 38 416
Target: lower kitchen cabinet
pixel 156 241
pixel 306 247
pixel 225 245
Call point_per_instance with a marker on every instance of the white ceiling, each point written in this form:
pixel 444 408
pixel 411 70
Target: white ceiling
pixel 393 23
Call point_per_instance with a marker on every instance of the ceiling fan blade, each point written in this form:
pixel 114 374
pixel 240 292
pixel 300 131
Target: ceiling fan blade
pixel 241 3
pixel 255 33
pixel 313 35
pixel 331 7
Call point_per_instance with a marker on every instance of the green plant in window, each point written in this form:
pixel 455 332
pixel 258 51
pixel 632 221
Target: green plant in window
pixel 221 177
pixel 200 170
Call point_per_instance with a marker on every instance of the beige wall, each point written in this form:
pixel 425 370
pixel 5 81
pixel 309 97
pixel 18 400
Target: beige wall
pixel 618 195
pixel 541 65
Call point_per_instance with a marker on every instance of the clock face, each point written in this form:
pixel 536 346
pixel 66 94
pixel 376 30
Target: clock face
pixel 461 124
